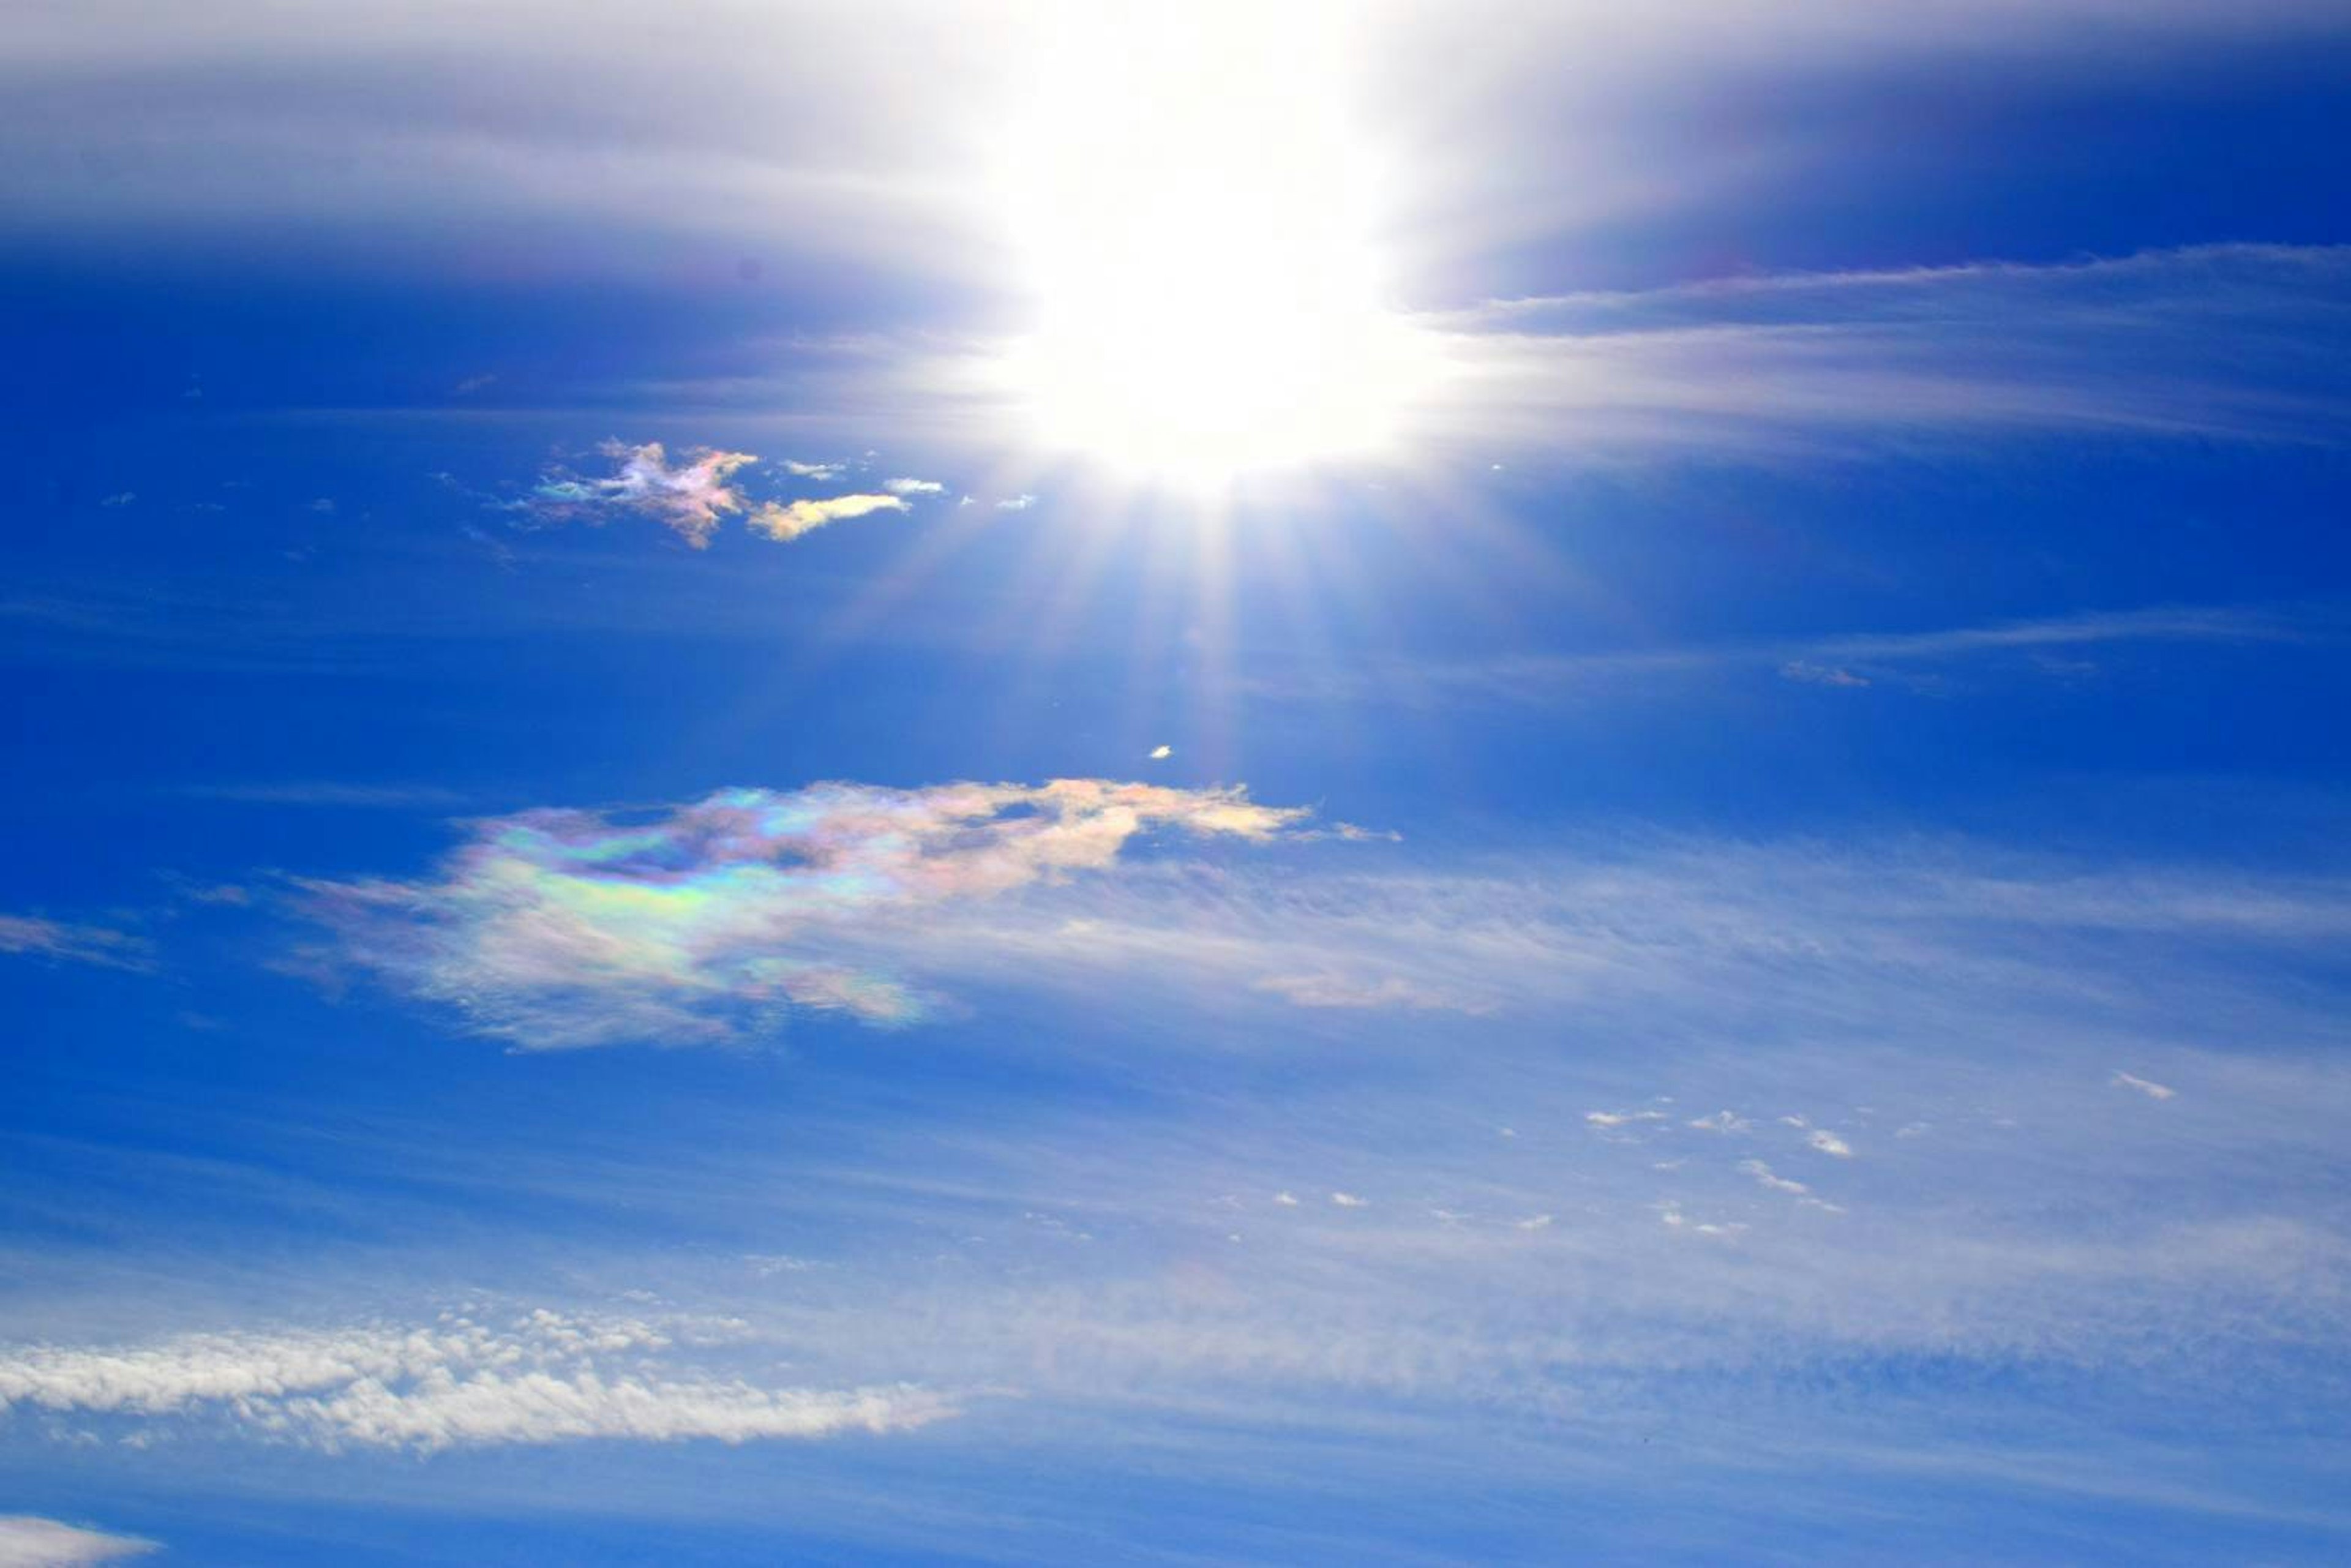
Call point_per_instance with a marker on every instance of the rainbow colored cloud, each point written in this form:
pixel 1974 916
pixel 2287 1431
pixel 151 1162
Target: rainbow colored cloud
pixel 711 922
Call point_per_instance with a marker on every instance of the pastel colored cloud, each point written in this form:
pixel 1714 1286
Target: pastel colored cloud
pixel 784 521
pixel 710 922
pixel 27 1540
pixel 689 498
pixel 455 1382
pixel 914 486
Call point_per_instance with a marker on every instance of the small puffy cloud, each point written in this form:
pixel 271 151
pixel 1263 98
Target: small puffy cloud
pixel 2147 1087
pixel 1762 1175
pixel 1720 1121
pixel 1019 503
pixel 471 385
pixel 455 1382
pixel 1534 1222
pixel 709 922
pixel 119 498
pixel 1828 1143
pixel 35 938
pixel 914 486
pixel 689 498
pixel 824 471
pixel 27 1540
pixel 784 521
pixel 1670 1214
pixel 1821 674
pixel 1349 1200
pixel 1286 1199
pixel 1162 753
pixel 1622 1118
pixel 323 503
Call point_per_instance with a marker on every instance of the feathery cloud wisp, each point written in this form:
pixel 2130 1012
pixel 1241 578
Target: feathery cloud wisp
pixel 2147 1087
pixel 39 938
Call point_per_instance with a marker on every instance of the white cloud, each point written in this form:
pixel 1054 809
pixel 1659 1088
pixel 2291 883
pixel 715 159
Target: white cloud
pixel 1762 1175
pixel 1019 503
pixel 2153 1090
pixel 540 1377
pixel 914 486
pixel 1162 753
pixel 1828 1143
pixel 1622 1118
pixel 1349 1200
pixel 821 471
pixel 1720 1121
pixel 29 1542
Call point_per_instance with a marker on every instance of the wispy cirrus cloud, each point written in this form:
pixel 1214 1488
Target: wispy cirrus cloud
pixel 699 922
pixel 2218 340
pixel 454 1382
pixel 1329 989
pixel 34 936
pixel 29 1541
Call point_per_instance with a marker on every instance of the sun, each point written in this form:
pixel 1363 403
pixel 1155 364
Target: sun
pixel 1196 217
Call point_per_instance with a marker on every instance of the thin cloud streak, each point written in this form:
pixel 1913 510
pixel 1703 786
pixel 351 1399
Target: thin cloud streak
pixel 1852 661
pixel 31 936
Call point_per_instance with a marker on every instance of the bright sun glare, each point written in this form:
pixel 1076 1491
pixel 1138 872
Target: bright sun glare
pixel 1197 217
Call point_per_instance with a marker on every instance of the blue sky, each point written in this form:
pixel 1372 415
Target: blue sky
pixel 946 783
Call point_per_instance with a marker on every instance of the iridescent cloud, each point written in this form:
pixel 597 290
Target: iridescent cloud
pixel 690 498
pixel 711 922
